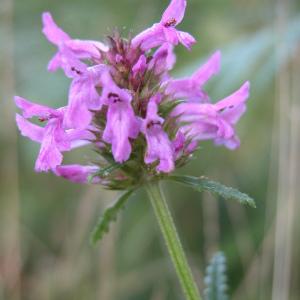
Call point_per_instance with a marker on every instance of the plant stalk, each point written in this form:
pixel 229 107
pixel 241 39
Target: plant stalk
pixel 173 243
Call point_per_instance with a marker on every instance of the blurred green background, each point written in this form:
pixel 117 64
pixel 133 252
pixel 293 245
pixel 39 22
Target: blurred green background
pixel 45 221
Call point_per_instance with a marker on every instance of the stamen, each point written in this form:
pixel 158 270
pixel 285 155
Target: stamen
pixel 225 108
pixel 73 69
pixel 171 23
pixel 115 97
pixel 152 123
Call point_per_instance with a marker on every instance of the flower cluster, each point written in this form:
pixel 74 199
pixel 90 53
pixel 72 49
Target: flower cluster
pixel 123 101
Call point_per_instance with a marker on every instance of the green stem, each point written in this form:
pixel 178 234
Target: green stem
pixel 174 246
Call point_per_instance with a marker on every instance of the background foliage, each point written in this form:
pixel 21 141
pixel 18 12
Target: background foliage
pixel 45 221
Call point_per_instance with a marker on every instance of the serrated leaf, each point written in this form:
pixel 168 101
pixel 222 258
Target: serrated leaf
pixel 109 216
pixel 215 278
pixel 203 184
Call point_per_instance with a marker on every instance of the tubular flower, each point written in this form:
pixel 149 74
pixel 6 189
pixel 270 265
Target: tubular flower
pixel 165 31
pixel 83 96
pixel 214 121
pixel 54 138
pixel 121 123
pixel 192 88
pixel 159 146
pixel 122 100
pixel 68 48
pixel 76 173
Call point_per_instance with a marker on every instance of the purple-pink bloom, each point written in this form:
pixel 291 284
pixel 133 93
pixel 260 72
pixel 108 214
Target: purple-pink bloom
pixel 191 88
pixel 178 144
pixel 163 59
pixel 165 31
pixel 159 147
pixel 77 173
pixel 122 99
pixel 68 47
pixel 83 97
pixel 121 122
pixel 214 121
pixel 140 67
pixel 54 139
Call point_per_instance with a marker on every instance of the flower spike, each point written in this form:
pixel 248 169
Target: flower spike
pixel 123 101
pixel 142 124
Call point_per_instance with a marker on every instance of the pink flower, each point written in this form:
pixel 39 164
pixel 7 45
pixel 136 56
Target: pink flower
pixel 121 122
pixel 191 88
pixel 77 173
pixel 140 67
pixel 214 121
pixel 54 139
pixel 68 49
pixel 159 147
pixel 163 59
pixel 178 144
pixel 83 97
pixel 165 31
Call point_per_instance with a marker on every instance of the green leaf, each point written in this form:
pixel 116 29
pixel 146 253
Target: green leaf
pixel 109 216
pixel 203 184
pixel 215 278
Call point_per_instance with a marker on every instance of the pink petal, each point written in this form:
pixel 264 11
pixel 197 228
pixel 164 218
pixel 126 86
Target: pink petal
pixel 81 93
pixel 233 107
pixel 121 125
pixel 178 144
pixel 186 39
pixel 175 11
pixel 163 60
pixel 109 88
pixel 55 63
pixel 140 66
pixel 171 35
pixel 159 147
pixel 52 32
pixel 32 131
pixel 192 111
pixel 86 49
pixel 31 109
pixel 71 65
pixel 49 156
pixel 79 138
pixel 191 88
pixel 209 69
pixel 232 143
pixel 149 38
pixel 55 141
pixel 76 173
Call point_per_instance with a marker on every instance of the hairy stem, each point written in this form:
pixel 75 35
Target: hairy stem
pixel 172 241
